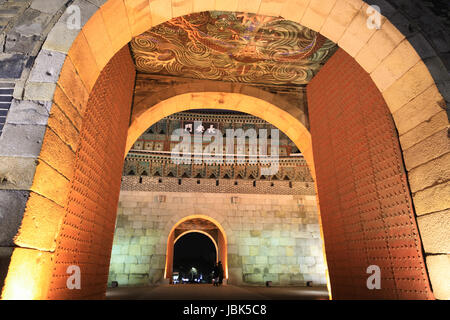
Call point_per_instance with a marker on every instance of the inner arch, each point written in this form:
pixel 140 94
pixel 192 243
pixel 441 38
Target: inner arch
pixel 197 251
pixel 263 109
pixel 191 224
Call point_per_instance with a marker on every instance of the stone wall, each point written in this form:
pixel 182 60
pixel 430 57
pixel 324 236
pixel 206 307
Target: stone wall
pixel 270 237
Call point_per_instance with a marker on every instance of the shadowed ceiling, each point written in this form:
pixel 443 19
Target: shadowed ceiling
pixel 236 47
pixel 197 224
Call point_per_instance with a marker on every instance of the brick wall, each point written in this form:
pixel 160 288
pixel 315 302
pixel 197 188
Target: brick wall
pixel 270 237
pixel 241 186
pixel 86 234
pixel 365 202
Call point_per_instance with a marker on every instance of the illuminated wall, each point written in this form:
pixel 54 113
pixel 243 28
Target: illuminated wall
pixel 270 237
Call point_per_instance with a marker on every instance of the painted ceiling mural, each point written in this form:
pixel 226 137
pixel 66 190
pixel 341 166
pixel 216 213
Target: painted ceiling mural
pixel 237 47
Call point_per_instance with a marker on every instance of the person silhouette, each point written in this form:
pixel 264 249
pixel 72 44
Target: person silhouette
pixel 220 267
pixel 215 279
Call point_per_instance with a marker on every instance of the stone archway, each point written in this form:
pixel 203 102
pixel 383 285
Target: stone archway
pixel 269 111
pixel 405 84
pixel 221 242
pixel 180 237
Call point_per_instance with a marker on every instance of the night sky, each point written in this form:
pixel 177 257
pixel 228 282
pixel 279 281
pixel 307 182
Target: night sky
pixel 194 250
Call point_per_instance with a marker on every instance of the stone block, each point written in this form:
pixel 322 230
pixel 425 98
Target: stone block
pixel 419 110
pixel 28 266
pixel 11 65
pixel 226 5
pixel 87 9
pixel 122 279
pixel 139 268
pixel 12 206
pixel 271 7
pixel 316 13
pixel 290 251
pixel 118 259
pixel 275 268
pixel 415 81
pixel 32 22
pixel 161 11
pixel 202 5
pixel 98 3
pixel 234 260
pixel 158 261
pixel 432 199
pixel 357 33
pixel 431 173
pixel 261 260
pixel 71 90
pixel 138 279
pixel 181 7
pixel 125 248
pixel 248 268
pixel 17 173
pixel 156 276
pixel 82 58
pixel 58 154
pixel 252 241
pixel 396 64
pixel 144 259
pixel 40 224
pixel 19 43
pixel 116 22
pixel 255 233
pixel 248 260
pixel 60 38
pixel 235 276
pixel 131 260
pixel 117 267
pixel 29 112
pixel 339 18
pixel 253 278
pixel 244 250
pixel 5 258
pixel 428 149
pixel 47 66
pixel 435 231
pixel 134 250
pixel 139 16
pixel 147 250
pixel 48 6
pixel 21 140
pixel 424 130
pixel 42 91
pixel 439 271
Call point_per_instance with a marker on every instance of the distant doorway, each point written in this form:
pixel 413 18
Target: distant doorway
pixel 194 256
pixel 202 231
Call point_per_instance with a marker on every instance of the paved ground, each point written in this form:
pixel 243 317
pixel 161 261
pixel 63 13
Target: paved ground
pixel 208 292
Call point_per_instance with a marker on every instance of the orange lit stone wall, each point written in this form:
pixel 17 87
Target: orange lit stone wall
pixel 86 234
pixel 365 202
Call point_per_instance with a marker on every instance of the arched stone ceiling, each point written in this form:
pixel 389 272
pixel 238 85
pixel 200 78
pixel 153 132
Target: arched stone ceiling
pixel 235 47
pixel 197 224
